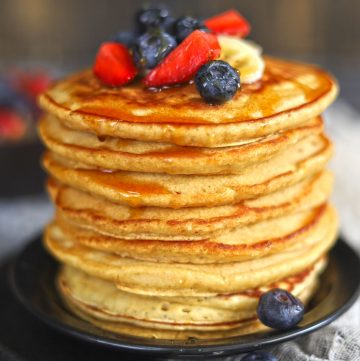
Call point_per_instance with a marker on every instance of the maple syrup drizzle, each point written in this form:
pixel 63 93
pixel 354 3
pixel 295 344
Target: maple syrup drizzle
pixel 291 281
pixel 102 101
pixel 126 185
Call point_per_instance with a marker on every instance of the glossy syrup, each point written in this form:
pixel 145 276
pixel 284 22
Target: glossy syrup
pixel 183 105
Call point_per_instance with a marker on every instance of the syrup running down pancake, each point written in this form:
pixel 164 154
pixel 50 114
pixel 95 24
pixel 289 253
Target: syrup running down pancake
pixel 288 95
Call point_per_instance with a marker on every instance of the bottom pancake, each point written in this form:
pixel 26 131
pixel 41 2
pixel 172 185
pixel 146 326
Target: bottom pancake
pixel 101 303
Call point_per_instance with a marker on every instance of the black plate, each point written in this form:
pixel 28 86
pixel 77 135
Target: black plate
pixel 32 279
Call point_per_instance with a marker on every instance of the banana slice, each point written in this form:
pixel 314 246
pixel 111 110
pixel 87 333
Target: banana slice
pixel 243 55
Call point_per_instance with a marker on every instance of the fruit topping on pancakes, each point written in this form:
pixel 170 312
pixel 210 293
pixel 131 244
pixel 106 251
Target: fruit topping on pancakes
pixel 168 51
pixel 114 65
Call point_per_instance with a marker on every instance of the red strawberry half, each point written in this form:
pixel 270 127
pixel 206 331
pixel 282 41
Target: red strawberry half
pixel 230 22
pixel 114 64
pixel 185 60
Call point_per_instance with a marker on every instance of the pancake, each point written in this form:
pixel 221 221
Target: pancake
pixel 288 95
pixel 303 159
pixel 186 224
pixel 95 317
pixel 240 244
pixel 121 154
pixel 173 216
pixel 177 279
pixel 215 313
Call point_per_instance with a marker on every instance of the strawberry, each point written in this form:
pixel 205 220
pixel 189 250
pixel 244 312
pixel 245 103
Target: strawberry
pixel 33 84
pixel 230 22
pixel 114 64
pixel 185 60
pixel 12 126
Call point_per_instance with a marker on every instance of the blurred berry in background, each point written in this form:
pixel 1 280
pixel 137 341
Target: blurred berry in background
pixel 18 109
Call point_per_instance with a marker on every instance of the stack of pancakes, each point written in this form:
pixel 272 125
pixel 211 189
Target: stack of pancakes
pixel 173 216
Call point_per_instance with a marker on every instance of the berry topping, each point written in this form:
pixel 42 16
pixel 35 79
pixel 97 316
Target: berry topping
pixel 33 84
pixel 152 47
pixel 217 81
pixel 126 38
pixel 168 25
pixel 151 17
pixel 114 64
pixel 12 126
pixel 230 22
pixel 259 356
pixel 184 61
pixel 13 100
pixel 7 95
pixel 279 309
pixel 184 26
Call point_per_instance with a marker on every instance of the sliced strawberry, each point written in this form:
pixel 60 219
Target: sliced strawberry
pixel 185 60
pixel 12 126
pixel 230 22
pixel 114 64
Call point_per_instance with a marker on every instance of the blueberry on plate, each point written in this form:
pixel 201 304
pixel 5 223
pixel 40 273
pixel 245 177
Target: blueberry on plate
pixel 186 25
pixel 150 17
pixel 128 38
pixel 152 47
pixel 279 309
pixel 259 356
pixel 217 81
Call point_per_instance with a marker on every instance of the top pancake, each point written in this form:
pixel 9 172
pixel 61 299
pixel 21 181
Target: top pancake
pixel 288 95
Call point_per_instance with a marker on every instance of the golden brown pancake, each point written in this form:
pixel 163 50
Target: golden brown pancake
pixel 303 159
pixel 173 216
pixel 94 316
pixel 121 154
pixel 288 95
pixel 240 244
pixel 220 312
pixel 186 224
pixel 172 279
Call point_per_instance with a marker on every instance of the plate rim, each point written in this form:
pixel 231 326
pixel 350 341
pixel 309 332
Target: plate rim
pixel 176 350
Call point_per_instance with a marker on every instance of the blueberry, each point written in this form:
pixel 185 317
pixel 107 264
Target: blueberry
pixel 11 99
pixel 217 81
pixel 128 38
pixel 279 309
pixel 168 25
pixel 152 47
pixel 7 94
pixel 151 17
pixel 186 25
pixel 260 356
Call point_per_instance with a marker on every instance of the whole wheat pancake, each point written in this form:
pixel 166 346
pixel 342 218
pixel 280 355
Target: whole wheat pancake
pixel 120 154
pixel 303 159
pixel 95 317
pixel 214 313
pixel 240 244
pixel 189 279
pixel 195 223
pixel 288 95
